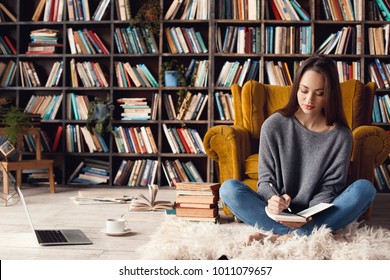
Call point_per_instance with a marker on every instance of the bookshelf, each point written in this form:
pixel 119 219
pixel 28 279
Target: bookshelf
pixel 213 26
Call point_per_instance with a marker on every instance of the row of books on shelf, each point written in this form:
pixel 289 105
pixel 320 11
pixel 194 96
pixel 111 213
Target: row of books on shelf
pixel 137 140
pixel 225 107
pixel 184 40
pixel 378 10
pixel 382 177
pixel 278 73
pixel 80 139
pixel 78 106
pixel 191 107
pixel 239 39
pixel 136 173
pixel 184 140
pixel 123 9
pixel 90 171
pixel 6 45
pixel 381 109
pixel 136 40
pixel 130 76
pixel 349 70
pixel 7 73
pixel 283 40
pixel 287 10
pixel 378 40
pixel 89 72
pixel 239 10
pixel 85 42
pixel 138 108
pixel 6 14
pixel 233 72
pixel 343 10
pixel 177 171
pixel 380 73
pixel 197 201
pixel 188 10
pixel 30 142
pixel 346 40
pixel 45 105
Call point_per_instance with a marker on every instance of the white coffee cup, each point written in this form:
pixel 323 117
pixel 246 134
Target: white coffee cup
pixel 116 225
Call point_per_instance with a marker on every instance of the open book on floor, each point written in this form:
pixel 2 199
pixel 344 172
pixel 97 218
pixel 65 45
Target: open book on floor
pixel 300 216
pixel 142 203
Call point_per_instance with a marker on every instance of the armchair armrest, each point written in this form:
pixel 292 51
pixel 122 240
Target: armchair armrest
pixel 229 146
pixel 371 147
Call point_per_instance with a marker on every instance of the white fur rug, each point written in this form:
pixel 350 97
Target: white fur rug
pixel 177 239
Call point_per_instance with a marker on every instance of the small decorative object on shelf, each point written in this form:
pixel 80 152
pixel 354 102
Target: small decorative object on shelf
pixel 100 115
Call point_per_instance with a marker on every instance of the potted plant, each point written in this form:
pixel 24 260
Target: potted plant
pixel 100 115
pixel 148 16
pixel 15 120
pixel 172 74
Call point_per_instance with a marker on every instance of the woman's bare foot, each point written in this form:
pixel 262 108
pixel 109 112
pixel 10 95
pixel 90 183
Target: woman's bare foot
pixel 274 238
pixel 261 237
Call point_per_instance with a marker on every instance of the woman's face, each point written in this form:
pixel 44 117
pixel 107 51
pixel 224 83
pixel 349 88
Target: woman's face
pixel 310 94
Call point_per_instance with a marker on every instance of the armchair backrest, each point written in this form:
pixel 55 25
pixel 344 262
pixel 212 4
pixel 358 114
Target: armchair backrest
pixel 254 102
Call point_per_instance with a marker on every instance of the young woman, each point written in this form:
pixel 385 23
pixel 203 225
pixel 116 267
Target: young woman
pixel 304 155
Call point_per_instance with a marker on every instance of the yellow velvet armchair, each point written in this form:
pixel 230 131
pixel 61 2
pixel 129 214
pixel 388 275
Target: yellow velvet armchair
pixel 235 147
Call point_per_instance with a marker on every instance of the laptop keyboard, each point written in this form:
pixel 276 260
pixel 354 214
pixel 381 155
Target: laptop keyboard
pixel 51 236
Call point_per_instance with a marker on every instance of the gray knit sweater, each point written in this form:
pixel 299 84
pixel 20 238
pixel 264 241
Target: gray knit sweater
pixel 311 167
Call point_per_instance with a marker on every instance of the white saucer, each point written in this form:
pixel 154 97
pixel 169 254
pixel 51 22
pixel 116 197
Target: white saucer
pixel 127 230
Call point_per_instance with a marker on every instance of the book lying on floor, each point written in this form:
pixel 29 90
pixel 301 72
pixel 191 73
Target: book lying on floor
pixel 142 203
pixel 300 216
pixel 100 196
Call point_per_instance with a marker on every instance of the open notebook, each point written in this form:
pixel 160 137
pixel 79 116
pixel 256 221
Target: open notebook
pixel 51 237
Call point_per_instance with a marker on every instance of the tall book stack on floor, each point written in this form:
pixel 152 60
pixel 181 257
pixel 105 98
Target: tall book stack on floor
pixel 197 201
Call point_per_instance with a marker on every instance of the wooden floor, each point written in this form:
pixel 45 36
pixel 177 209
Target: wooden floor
pixel 59 211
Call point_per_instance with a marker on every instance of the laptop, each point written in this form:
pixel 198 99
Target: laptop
pixel 54 237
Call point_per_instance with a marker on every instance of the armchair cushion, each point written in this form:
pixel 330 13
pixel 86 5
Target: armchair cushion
pixel 251 166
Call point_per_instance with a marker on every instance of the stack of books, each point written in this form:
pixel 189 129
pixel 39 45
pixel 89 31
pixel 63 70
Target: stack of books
pixel 43 41
pixel 197 201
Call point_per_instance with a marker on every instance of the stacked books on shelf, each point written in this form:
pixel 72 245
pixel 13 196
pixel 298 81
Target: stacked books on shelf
pixel 37 176
pixel 29 75
pixel 137 140
pixel 184 140
pixel 90 172
pixel 177 171
pixel 377 10
pixel 45 105
pixel 85 42
pixel 43 41
pixel 378 40
pixel 197 201
pixel 77 107
pixel 135 40
pixel 136 173
pixel 135 109
pixel 381 109
pixel 123 9
pixel 382 177
pixel 50 10
pixel 346 40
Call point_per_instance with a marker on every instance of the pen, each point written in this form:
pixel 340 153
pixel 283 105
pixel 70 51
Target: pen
pixel 277 193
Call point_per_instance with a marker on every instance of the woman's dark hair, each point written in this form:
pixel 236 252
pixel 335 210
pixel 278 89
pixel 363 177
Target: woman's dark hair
pixel 333 109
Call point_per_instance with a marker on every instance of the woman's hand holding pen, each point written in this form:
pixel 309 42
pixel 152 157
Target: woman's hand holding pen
pixel 276 204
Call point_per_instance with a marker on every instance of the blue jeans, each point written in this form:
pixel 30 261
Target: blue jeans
pixel 248 206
